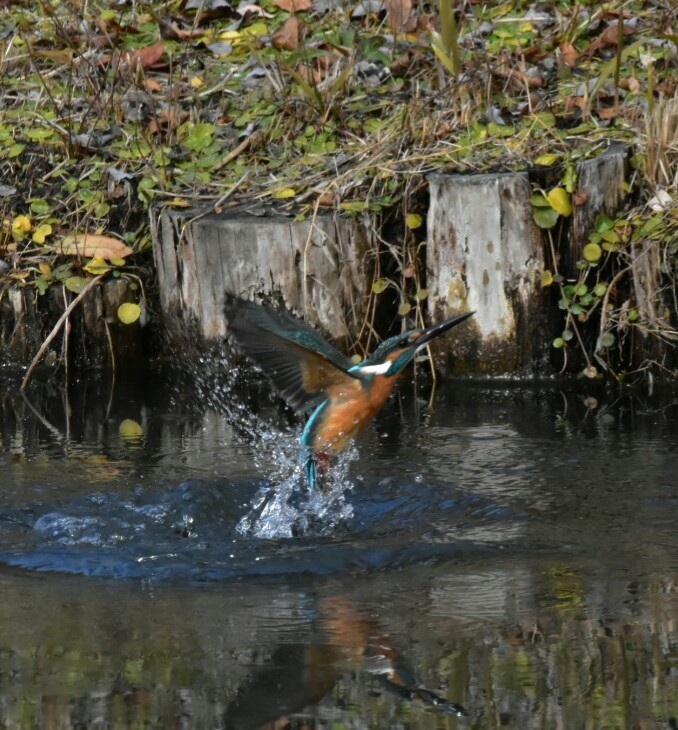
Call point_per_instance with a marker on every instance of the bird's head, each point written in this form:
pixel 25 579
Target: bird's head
pixel 396 352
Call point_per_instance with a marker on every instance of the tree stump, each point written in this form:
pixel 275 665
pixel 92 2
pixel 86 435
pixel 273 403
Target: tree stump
pixel 27 318
pixel 320 268
pixel 485 253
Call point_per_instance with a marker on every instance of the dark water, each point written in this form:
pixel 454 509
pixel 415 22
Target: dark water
pixel 508 549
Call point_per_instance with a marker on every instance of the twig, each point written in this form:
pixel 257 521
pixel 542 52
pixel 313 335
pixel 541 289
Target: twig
pixel 57 327
pixel 110 345
pixel 237 151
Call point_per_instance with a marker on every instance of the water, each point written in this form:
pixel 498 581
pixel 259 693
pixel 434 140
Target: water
pixel 508 549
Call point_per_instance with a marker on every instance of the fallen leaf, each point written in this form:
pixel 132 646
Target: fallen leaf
pixel 91 244
pixel 606 39
pixel 152 85
pixel 631 83
pixel 608 113
pixel 400 16
pixel 569 54
pixel 289 37
pixel 294 6
pixel 327 199
pixel 140 57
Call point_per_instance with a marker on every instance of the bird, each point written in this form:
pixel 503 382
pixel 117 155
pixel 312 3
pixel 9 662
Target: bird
pixel 312 375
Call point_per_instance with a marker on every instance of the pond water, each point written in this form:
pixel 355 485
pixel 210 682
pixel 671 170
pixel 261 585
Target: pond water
pixel 500 556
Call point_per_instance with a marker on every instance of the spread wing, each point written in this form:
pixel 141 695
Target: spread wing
pixel 300 363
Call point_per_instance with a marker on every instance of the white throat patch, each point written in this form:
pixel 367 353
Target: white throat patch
pixel 380 369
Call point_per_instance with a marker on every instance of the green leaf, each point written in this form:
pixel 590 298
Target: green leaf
pixel 600 289
pixel 592 252
pixel 404 309
pixel 41 284
pixel 40 206
pixel 558 342
pixel 200 136
pixel 567 335
pixel 634 315
pixel 421 295
pixel 604 223
pixel 76 283
pixel 355 206
pixel 380 285
pixel 539 200
pixel 607 339
pixel 546 160
pixel 545 217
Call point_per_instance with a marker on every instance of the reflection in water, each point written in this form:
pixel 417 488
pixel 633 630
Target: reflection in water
pixel 511 550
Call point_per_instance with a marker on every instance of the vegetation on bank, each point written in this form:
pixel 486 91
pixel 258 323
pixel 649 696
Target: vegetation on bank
pixel 303 105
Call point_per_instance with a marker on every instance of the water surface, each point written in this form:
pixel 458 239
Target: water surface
pixel 507 549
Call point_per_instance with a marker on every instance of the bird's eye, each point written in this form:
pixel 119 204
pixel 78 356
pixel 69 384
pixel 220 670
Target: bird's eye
pixel 405 342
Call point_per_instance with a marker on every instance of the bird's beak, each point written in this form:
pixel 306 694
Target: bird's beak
pixel 435 330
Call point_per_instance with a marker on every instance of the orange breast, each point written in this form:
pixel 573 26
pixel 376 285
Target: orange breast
pixel 351 409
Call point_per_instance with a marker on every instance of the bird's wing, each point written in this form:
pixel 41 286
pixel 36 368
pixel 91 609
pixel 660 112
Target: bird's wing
pixel 301 364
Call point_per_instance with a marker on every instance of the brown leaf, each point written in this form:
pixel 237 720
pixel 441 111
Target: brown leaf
pixel 327 199
pixel 294 6
pixel 91 244
pixel 608 113
pixel 631 83
pixel 569 54
pixel 401 18
pixel 580 198
pixel 607 38
pixel 152 85
pixel 291 34
pixel 424 24
pixel 143 57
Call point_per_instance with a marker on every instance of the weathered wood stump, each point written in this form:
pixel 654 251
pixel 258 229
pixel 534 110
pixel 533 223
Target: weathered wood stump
pixel 93 331
pixel 485 253
pixel 319 268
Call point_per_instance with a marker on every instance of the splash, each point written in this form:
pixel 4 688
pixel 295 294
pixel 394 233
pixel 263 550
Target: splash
pixel 286 508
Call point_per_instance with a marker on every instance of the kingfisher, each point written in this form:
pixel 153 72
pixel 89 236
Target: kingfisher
pixel 310 374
